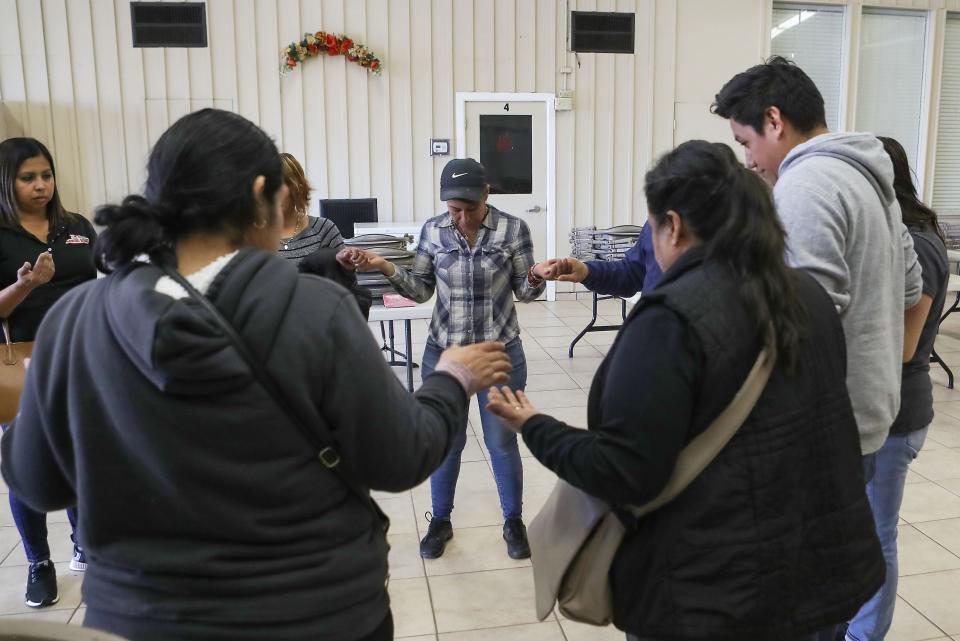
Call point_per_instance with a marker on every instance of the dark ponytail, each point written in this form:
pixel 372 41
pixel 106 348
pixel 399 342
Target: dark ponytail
pixel 730 209
pixel 199 180
pixel 133 228
pixel 916 215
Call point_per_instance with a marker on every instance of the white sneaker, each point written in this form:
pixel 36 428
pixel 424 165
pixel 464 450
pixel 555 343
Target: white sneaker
pixel 79 561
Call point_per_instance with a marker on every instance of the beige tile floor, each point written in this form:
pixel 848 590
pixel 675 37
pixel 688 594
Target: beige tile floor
pixel 476 593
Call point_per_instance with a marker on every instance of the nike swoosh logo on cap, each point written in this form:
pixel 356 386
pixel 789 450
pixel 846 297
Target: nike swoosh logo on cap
pixel 458 175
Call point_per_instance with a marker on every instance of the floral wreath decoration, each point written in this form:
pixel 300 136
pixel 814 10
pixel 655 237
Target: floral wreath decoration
pixel 319 43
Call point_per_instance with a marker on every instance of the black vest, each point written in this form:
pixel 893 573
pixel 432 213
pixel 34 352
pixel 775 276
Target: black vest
pixel 775 539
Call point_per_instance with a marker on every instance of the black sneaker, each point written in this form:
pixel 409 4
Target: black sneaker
pixel 42 585
pixel 433 544
pixel 79 561
pixel 515 534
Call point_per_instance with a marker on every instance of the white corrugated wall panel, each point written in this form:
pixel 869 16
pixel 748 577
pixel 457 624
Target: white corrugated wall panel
pixel 358 104
pixel 380 117
pixel 291 107
pixel 109 101
pixel 946 181
pixel 90 154
pixel 422 106
pixel 401 110
pixel 62 99
pixel 13 91
pixel 100 104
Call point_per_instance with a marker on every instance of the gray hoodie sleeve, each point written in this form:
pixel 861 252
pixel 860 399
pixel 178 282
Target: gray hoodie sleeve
pixel 913 280
pixel 816 241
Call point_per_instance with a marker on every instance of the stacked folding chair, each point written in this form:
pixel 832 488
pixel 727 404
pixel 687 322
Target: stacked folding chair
pixel 951 234
pixel 581 243
pixel 590 243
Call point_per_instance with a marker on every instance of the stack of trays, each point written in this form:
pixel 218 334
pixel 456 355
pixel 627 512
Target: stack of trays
pixel 393 249
pixel 590 243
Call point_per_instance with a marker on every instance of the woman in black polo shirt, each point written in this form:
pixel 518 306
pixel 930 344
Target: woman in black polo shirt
pixel 44 251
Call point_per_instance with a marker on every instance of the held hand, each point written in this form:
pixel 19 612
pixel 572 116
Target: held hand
pixel 32 276
pixel 366 261
pixel 569 270
pixel 547 269
pixel 513 408
pixel 345 258
pixel 488 363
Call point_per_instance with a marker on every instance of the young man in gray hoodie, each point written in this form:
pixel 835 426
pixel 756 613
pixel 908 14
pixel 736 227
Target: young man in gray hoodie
pixel 834 194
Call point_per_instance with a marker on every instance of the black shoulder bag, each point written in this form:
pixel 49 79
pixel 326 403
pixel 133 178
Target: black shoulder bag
pixel 318 436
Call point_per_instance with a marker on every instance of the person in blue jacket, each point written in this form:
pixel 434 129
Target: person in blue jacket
pixel 638 271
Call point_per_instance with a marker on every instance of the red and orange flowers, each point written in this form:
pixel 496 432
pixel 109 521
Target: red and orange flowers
pixel 315 44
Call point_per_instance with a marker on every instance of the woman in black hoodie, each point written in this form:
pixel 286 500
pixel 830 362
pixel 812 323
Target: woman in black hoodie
pixel 205 512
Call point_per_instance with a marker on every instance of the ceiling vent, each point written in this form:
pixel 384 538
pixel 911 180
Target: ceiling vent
pixel 602 32
pixel 169 24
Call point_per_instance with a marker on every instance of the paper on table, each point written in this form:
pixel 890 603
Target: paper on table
pixel 396 300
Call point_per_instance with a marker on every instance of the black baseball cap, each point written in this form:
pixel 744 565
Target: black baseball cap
pixel 463 179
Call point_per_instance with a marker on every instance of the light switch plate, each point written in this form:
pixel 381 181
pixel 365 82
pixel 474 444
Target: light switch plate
pixel 439 146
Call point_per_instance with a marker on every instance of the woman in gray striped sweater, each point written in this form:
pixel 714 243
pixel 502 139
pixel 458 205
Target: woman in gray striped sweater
pixel 303 234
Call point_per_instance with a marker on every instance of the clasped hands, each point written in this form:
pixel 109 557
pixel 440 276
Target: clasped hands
pixel 361 260
pixel 568 270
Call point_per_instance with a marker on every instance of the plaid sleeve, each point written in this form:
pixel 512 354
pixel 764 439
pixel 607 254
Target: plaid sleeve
pixel 522 262
pixel 418 282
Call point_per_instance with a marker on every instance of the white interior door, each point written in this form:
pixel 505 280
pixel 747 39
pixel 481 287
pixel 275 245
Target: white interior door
pixel 510 141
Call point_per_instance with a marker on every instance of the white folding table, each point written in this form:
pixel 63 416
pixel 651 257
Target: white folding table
pixel 405 314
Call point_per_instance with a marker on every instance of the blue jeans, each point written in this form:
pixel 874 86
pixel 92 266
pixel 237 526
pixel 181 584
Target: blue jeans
pixel 500 442
pixel 32 526
pixel 885 492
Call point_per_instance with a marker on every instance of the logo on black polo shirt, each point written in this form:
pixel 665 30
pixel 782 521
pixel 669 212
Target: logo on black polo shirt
pixel 77 239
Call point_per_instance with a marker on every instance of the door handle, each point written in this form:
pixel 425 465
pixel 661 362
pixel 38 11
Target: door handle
pixel 533 210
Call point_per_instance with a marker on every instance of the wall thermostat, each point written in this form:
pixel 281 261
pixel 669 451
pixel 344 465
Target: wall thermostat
pixel 439 146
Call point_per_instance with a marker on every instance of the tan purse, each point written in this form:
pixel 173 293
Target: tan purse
pixel 575 536
pixel 12 374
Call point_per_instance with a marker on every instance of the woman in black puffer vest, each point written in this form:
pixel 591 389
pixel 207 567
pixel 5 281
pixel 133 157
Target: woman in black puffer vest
pixel 775 539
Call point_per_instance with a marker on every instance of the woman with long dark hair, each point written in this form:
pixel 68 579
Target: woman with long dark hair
pixel 750 550
pixel 44 252
pixel 909 430
pixel 206 513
